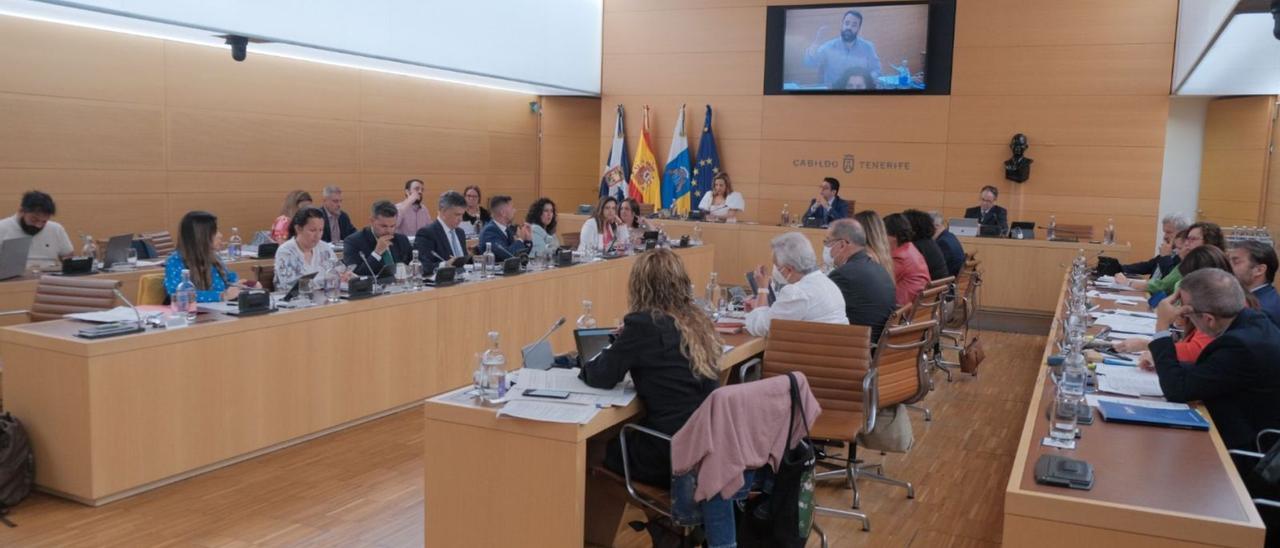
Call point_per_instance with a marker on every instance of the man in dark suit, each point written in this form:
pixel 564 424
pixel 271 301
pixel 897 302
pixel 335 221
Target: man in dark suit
pixel 828 206
pixel 952 250
pixel 337 224
pixel 1237 376
pixel 444 240
pixel 867 286
pixel 1254 264
pixel 378 244
pixel 993 220
pixel 1168 259
pixel 507 241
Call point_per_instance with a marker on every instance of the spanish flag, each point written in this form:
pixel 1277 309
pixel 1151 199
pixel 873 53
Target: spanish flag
pixel 646 178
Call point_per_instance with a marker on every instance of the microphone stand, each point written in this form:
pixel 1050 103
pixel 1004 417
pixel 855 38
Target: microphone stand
pixel 376 287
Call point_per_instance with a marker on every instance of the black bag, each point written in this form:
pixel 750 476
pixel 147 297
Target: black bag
pixel 784 517
pixel 1107 266
pixel 17 465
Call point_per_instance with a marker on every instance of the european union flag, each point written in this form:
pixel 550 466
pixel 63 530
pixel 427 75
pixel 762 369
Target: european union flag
pixel 708 164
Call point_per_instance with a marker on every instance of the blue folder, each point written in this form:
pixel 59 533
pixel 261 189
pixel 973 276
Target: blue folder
pixel 1136 413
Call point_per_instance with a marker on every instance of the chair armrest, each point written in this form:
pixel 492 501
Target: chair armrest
pixel 626 462
pixel 870 399
pixel 13 312
pixel 1265 432
pixel 1267 502
pixel 755 364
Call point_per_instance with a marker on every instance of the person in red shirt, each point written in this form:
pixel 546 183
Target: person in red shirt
pixel 910 271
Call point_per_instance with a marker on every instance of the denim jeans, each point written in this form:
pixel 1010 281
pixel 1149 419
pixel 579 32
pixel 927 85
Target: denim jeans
pixel 715 514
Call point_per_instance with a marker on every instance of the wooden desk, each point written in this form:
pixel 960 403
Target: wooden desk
pixel 1015 272
pixel 114 417
pixel 1154 486
pixel 508 482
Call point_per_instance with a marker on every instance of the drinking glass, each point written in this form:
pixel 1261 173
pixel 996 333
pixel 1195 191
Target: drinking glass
pixel 332 286
pixel 304 288
pixel 132 258
pixel 402 276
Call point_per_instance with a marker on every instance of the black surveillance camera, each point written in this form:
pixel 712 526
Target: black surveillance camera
pixel 239 46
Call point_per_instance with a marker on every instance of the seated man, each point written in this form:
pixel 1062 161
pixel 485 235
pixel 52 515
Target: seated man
pixel 507 241
pixel 828 205
pixel 1236 376
pixel 1254 264
pixel 952 250
pixel 377 246
pixel 804 293
pixel 993 220
pixel 444 240
pixel 49 241
pixel 1168 258
pixel 337 224
pixel 867 287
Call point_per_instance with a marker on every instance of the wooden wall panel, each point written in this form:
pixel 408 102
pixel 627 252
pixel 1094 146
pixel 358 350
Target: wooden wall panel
pixel 72 133
pixel 569 168
pixel 1020 23
pixel 410 148
pixel 1060 120
pixel 86 65
pixel 1237 138
pixel 1121 69
pixel 736 29
pixel 886 118
pixel 731 73
pixel 227 141
pixel 391 99
pixel 1272 217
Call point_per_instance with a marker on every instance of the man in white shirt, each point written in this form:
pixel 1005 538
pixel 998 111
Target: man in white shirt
pixel 804 292
pixel 49 241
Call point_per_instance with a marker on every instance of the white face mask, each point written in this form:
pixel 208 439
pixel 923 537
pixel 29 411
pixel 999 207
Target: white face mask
pixel 827 259
pixel 778 279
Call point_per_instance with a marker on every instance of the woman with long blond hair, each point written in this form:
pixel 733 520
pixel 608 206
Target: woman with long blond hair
pixel 672 351
pixel 293 201
pixel 877 239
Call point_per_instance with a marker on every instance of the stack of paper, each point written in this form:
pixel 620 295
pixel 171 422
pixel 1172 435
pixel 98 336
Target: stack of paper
pixel 566 380
pixel 1128 380
pixel 545 411
pixel 1128 323
pixel 117 314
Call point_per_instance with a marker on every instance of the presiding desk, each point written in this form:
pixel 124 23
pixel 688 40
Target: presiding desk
pixel 113 417
pixel 494 481
pixel 1014 272
pixel 1154 486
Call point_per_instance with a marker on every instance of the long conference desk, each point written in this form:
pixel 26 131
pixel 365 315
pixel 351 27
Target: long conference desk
pixel 113 417
pixel 1153 487
pixel 1015 272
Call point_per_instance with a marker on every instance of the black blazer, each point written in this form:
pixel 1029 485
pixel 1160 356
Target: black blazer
pixel 932 257
pixel 364 242
pixel 952 251
pixel 994 223
pixel 432 240
pixel 650 350
pixel 1237 376
pixel 345 228
pixel 868 292
pixel 1165 263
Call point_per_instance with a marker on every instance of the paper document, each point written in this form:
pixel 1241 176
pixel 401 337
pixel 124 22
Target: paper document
pixel 117 314
pixel 567 380
pixel 1093 400
pixel 1127 380
pixel 568 413
pixel 1126 323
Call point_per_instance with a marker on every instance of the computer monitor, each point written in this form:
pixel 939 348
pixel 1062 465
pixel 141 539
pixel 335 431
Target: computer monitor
pixel 117 250
pixel 591 341
pixel 13 256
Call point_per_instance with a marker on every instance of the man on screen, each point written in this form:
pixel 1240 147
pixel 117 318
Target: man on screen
pixel 843 53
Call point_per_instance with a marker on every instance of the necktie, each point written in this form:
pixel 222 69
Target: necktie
pixel 453 242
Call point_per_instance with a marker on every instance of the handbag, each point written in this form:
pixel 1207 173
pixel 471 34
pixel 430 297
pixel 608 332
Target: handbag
pixel 891 432
pixel 784 516
pixel 971 357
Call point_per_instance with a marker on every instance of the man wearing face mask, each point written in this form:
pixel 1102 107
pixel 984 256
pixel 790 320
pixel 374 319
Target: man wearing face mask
pixel 1236 376
pixel 49 241
pixel 804 292
pixel 867 287
pixel 845 52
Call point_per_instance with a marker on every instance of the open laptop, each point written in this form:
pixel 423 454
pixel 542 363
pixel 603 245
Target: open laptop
pixel 13 256
pixel 590 342
pixel 117 251
pixel 963 227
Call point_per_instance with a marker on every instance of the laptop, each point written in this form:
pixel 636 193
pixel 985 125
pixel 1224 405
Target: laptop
pixel 591 341
pixel 117 251
pixel 963 227
pixel 1022 230
pixel 13 256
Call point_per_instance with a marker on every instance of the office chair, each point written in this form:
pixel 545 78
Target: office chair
pixel 266 276
pixel 1245 462
pixel 163 242
pixel 955 332
pixel 151 289
pixel 570 239
pixel 57 296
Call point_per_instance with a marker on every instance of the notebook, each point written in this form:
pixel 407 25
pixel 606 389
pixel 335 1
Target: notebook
pixel 1136 413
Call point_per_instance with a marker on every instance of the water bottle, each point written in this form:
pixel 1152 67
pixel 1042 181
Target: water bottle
pixel 415 271
pixel 586 320
pixel 697 234
pixel 1070 395
pixel 904 75
pixel 495 365
pixel 486 269
pixel 713 291
pixel 1052 231
pixel 89 249
pixel 184 297
pixel 786 215
pixel 235 245
pixel 1109 236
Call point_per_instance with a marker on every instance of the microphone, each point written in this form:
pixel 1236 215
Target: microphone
pixel 365 257
pixel 437 255
pixel 554 327
pixel 141 325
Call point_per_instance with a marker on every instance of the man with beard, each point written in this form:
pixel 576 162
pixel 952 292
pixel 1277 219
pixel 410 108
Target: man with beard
pixel 412 215
pixel 49 241
pixel 843 53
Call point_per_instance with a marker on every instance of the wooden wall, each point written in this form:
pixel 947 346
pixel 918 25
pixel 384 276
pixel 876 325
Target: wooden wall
pixel 1272 217
pixel 570 129
pixel 1087 81
pixel 1237 134
pixel 129 133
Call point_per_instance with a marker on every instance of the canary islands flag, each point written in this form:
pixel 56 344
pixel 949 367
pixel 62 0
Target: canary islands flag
pixel 676 181
pixel 618 166
pixel 646 180
pixel 708 164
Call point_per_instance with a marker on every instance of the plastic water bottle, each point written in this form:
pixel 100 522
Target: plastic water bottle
pixel 904 75
pixel 184 297
pixel 1070 395
pixel 415 271
pixel 235 246
pixel 697 234
pixel 713 291
pixel 495 364
pixel 1052 231
pixel 486 268
pixel 786 215
pixel 1109 236
pixel 586 320
pixel 89 249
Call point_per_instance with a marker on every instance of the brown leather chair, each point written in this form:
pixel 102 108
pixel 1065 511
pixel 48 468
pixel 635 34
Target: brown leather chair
pixel 836 359
pixel 570 239
pixel 266 276
pixel 60 295
pixel 162 241
pixel 928 307
pixel 955 332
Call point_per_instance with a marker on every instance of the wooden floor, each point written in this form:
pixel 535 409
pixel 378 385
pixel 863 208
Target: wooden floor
pixel 363 486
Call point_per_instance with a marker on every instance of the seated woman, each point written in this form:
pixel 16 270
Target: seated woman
pixel 197 252
pixel 475 216
pixel 672 351
pixel 305 252
pixel 910 272
pixel 922 230
pixel 599 232
pixel 877 240
pixel 631 226
pixel 1188 348
pixel 722 203
pixel 293 201
pixel 542 219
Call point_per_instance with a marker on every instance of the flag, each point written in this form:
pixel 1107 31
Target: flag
pixel 675 178
pixel 646 180
pixel 708 164
pixel 618 166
